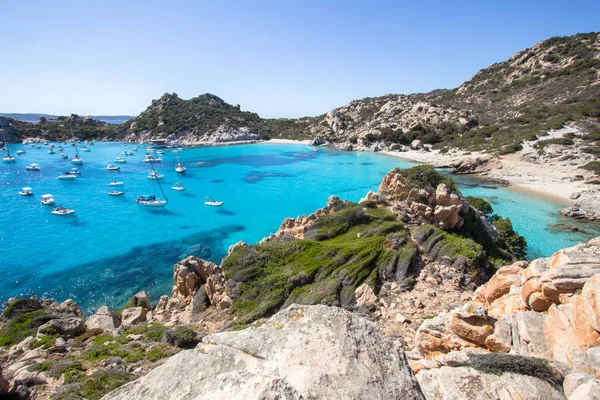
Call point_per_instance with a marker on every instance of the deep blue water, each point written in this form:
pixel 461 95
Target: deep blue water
pixel 113 248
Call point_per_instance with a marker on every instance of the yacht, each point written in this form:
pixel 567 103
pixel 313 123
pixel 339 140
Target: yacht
pixel 155 175
pixel 180 168
pixel 60 210
pixel 47 199
pixel 67 176
pixel 75 160
pixel 32 167
pixel 160 152
pixel 212 202
pixel 112 167
pixel 178 186
pixel 26 191
pixel 152 201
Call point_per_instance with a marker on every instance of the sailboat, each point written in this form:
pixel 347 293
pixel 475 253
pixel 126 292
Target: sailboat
pixel 180 168
pixel 7 158
pixel 152 201
pixel 75 160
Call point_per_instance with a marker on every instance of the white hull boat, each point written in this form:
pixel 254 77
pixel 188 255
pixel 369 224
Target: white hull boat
pixel 155 175
pixel 26 191
pixel 111 167
pixel 32 167
pixel 115 183
pixel 47 199
pixel 21 152
pixel 212 202
pixel 67 176
pixel 62 211
pixel 120 160
pixel 116 193
pixel 178 186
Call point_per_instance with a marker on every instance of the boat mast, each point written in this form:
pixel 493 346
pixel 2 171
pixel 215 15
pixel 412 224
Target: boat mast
pixel 159 185
pixel 73 139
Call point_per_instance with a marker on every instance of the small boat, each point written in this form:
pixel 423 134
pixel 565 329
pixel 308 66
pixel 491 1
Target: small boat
pixel 21 152
pixel 152 159
pixel 77 160
pixel 26 191
pixel 160 152
pixel 85 149
pixel 8 159
pixel 212 202
pixel 180 168
pixel 178 186
pixel 63 155
pixel 128 153
pixel 115 183
pixel 47 199
pixel 46 143
pixel 67 176
pixel 60 210
pixel 116 193
pixel 112 167
pixel 32 167
pixel 51 151
pixel 60 148
pixel 75 171
pixel 134 149
pixel 155 175
pixel 120 160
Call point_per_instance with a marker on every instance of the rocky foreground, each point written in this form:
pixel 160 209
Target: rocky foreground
pixel 394 308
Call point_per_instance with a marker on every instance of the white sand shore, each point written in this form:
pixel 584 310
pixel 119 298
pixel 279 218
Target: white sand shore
pixel 288 141
pixel 548 180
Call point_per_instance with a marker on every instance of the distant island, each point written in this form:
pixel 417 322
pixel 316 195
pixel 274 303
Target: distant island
pixel 35 117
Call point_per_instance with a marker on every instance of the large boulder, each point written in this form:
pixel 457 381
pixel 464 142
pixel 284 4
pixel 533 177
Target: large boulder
pixel 67 327
pixel 590 296
pixel 104 318
pixel 464 383
pixel 586 207
pixel 133 316
pixel 310 352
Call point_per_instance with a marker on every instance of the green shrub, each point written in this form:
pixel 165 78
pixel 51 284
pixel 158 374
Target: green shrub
pixel 510 148
pixel 152 331
pixel 480 204
pixel 158 352
pixel 564 141
pixel 425 177
pixel 104 381
pixel 328 226
pixel 593 166
pixel 183 337
pixel 22 326
pixel 510 239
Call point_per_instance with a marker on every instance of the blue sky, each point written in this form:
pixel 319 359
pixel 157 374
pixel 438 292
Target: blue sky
pixel 276 58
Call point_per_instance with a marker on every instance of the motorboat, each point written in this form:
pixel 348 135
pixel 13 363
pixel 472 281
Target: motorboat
pixel 134 149
pixel 128 153
pixel 85 149
pixel 47 199
pixel 75 171
pixel 212 202
pixel 67 176
pixel 60 148
pixel 116 193
pixel 51 151
pixel 120 160
pixel 26 191
pixel 60 210
pixel 152 159
pixel 178 186
pixel 21 152
pixel 8 159
pixel 180 168
pixel 32 167
pixel 155 175
pixel 112 167
pixel 77 160
pixel 45 143
pixel 63 155
pixel 160 152
pixel 115 183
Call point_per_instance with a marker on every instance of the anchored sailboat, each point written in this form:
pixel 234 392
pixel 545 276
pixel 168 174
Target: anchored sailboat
pixel 152 201
pixel 75 160
pixel 8 158
pixel 180 168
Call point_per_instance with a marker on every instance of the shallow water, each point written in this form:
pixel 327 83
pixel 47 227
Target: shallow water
pixel 113 247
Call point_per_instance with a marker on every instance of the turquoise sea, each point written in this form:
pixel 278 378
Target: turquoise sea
pixel 113 247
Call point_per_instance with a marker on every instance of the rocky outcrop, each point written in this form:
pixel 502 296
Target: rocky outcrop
pixel 104 319
pixel 197 284
pixel 546 309
pixel 297 227
pixel 586 207
pixel 355 361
